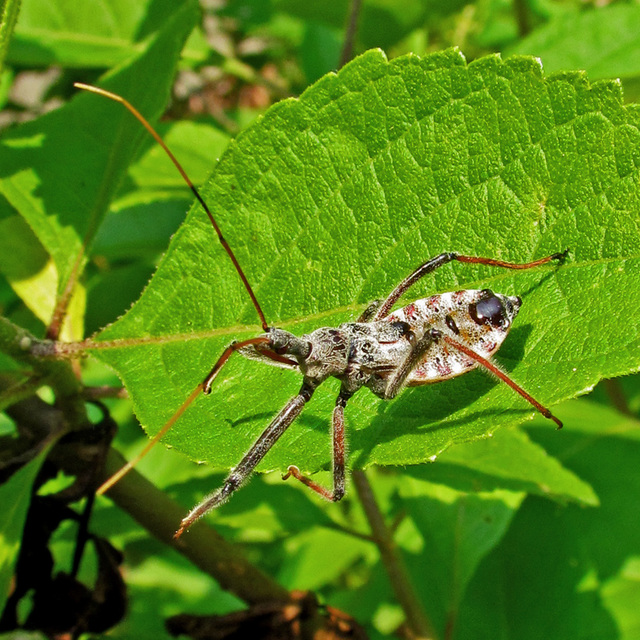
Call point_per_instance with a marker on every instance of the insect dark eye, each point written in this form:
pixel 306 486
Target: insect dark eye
pixel 488 310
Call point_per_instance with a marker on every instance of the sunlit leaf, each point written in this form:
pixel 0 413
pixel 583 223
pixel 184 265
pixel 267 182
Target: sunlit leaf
pixel 332 199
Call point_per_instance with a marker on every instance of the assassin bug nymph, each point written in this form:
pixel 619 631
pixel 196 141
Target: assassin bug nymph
pixel 427 341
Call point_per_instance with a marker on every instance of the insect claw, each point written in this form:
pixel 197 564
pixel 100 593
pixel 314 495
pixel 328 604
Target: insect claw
pixel 291 471
pixel 560 256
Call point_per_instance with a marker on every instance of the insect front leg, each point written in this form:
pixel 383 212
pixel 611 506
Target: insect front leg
pixel 256 453
pixel 339 455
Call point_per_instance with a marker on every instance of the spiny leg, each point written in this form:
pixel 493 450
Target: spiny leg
pixel 339 455
pixel 444 258
pixel 256 453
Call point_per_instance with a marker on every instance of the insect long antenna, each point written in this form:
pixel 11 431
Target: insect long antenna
pixel 489 366
pixel 105 486
pixel 203 387
pixel 115 97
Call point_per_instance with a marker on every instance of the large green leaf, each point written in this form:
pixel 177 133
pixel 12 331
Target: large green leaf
pixel 459 530
pixel 61 171
pixel 508 461
pixel 85 33
pixel 567 41
pixel 569 572
pixel 331 199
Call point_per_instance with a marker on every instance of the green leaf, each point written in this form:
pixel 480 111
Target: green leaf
pixel 601 41
pixel 33 276
pixel 508 461
pixel 306 567
pixel 330 200
pixel 15 497
pixel 458 530
pixel 64 207
pixel 620 596
pixel 9 10
pixel 89 33
pixel 583 561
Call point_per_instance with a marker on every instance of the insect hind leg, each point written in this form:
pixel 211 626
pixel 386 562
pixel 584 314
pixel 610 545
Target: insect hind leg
pixel 390 387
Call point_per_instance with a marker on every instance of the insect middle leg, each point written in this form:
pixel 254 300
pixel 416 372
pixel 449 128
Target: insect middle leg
pixel 389 388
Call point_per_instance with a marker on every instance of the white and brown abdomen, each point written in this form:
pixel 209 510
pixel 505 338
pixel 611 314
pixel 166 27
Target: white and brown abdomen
pixel 480 319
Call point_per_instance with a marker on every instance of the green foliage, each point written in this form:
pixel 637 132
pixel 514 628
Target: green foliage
pixel 329 199
pixel 102 33
pixel 567 42
pixel 568 554
pixel 9 10
pixel 64 210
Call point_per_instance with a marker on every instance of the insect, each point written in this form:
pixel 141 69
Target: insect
pixel 427 341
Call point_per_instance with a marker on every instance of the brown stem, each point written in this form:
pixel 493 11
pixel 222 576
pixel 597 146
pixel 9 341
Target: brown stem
pixel 64 299
pixel 161 515
pixel 614 391
pixel 350 34
pixel 396 569
pixel 522 17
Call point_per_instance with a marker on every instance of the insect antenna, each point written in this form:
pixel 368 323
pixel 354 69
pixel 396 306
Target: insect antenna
pixel 205 385
pixel 115 97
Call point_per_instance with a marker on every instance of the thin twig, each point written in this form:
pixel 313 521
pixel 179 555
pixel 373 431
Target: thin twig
pixel 104 391
pixel 521 10
pixel 614 391
pixel 64 299
pixel 350 34
pixel 396 569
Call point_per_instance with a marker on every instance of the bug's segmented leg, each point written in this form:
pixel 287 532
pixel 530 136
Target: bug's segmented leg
pixel 489 366
pixel 258 450
pixel 339 456
pixel 444 258
pixel 413 359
